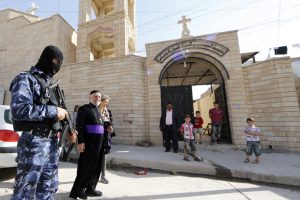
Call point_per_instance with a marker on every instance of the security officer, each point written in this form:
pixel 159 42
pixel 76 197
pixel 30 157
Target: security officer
pixel 34 112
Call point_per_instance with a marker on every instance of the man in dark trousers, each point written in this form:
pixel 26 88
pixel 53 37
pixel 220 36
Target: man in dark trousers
pixel 89 125
pixel 216 114
pixel 35 112
pixel 169 124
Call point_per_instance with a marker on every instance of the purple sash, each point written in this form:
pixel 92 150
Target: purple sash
pixel 95 129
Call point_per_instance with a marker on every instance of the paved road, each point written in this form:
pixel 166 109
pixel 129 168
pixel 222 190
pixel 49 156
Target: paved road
pixel 125 185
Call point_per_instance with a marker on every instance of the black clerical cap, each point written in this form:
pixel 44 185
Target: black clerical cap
pixel 94 91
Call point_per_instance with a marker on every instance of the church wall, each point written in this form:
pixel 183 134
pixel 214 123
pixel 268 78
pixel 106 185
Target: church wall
pixel 116 22
pixel 10 14
pixel 296 72
pixel 121 37
pixel 24 42
pixel 119 5
pixel 236 96
pixel 123 80
pixel 297 84
pixel 85 11
pixel 274 103
pixel 235 88
pixel 206 103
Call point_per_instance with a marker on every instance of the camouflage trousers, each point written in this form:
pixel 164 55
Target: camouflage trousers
pixel 37 168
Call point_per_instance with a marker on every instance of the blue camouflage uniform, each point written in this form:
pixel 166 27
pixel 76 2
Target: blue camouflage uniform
pixel 37 157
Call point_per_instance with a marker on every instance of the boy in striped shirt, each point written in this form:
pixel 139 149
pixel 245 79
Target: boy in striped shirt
pixel 253 142
pixel 187 129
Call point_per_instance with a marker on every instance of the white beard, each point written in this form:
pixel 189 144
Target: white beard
pixel 96 104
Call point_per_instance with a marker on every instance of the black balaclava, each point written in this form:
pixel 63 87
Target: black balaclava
pixel 46 63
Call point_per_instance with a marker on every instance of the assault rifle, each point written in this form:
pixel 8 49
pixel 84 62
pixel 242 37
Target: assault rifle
pixel 66 124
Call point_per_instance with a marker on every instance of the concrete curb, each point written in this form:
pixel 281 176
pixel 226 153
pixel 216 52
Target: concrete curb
pixel 207 168
pixel 163 166
pixel 282 180
pixel 154 158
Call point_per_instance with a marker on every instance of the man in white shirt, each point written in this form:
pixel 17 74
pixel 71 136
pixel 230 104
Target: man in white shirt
pixel 169 125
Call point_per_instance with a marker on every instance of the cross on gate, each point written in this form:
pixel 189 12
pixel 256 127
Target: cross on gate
pixel 185 32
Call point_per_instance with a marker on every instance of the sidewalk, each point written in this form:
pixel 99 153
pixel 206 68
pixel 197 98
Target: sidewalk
pixel 219 160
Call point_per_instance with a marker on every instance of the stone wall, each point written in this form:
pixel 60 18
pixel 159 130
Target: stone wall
pixel 23 42
pixel 296 72
pixel 297 84
pixel 273 102
pixel 117 26
pixel 123 80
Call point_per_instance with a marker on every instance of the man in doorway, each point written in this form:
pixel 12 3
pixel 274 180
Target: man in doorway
pixel 169 125
pixel 216 115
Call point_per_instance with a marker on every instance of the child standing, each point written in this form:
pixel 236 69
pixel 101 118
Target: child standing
pixel 189 140
pixel 198 127
pixel 253 141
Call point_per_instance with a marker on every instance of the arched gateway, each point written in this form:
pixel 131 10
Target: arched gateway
pixel 185 69
pixel 173 67
pixel 180 74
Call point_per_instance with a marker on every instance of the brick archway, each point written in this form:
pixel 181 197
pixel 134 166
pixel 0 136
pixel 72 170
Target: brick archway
pixel 181 72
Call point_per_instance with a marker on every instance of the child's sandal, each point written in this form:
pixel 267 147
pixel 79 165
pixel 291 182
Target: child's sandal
pixel 256 161
pixel 246 160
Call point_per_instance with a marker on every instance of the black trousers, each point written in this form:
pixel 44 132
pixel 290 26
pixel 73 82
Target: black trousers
pixel 89 168
pixel 170 134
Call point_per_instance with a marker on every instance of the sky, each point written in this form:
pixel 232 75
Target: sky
pixel 261 24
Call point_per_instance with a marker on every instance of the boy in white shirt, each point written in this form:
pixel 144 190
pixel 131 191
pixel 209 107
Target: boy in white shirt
pixel 253 141
pixel 187 129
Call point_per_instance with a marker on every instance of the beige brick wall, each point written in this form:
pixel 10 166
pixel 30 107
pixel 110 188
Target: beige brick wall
pixel 296 72
pixel 297 84
pixel 274 103
pixel 24 41
pixel 123 80
pixel 118 21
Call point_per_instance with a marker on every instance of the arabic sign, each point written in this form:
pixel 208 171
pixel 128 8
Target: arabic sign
pixel 191 44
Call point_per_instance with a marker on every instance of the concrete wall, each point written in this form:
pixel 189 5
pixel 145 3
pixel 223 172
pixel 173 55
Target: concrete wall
pixel 273 102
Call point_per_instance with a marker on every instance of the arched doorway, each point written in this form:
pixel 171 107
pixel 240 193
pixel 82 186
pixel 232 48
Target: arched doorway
pixel 182 72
